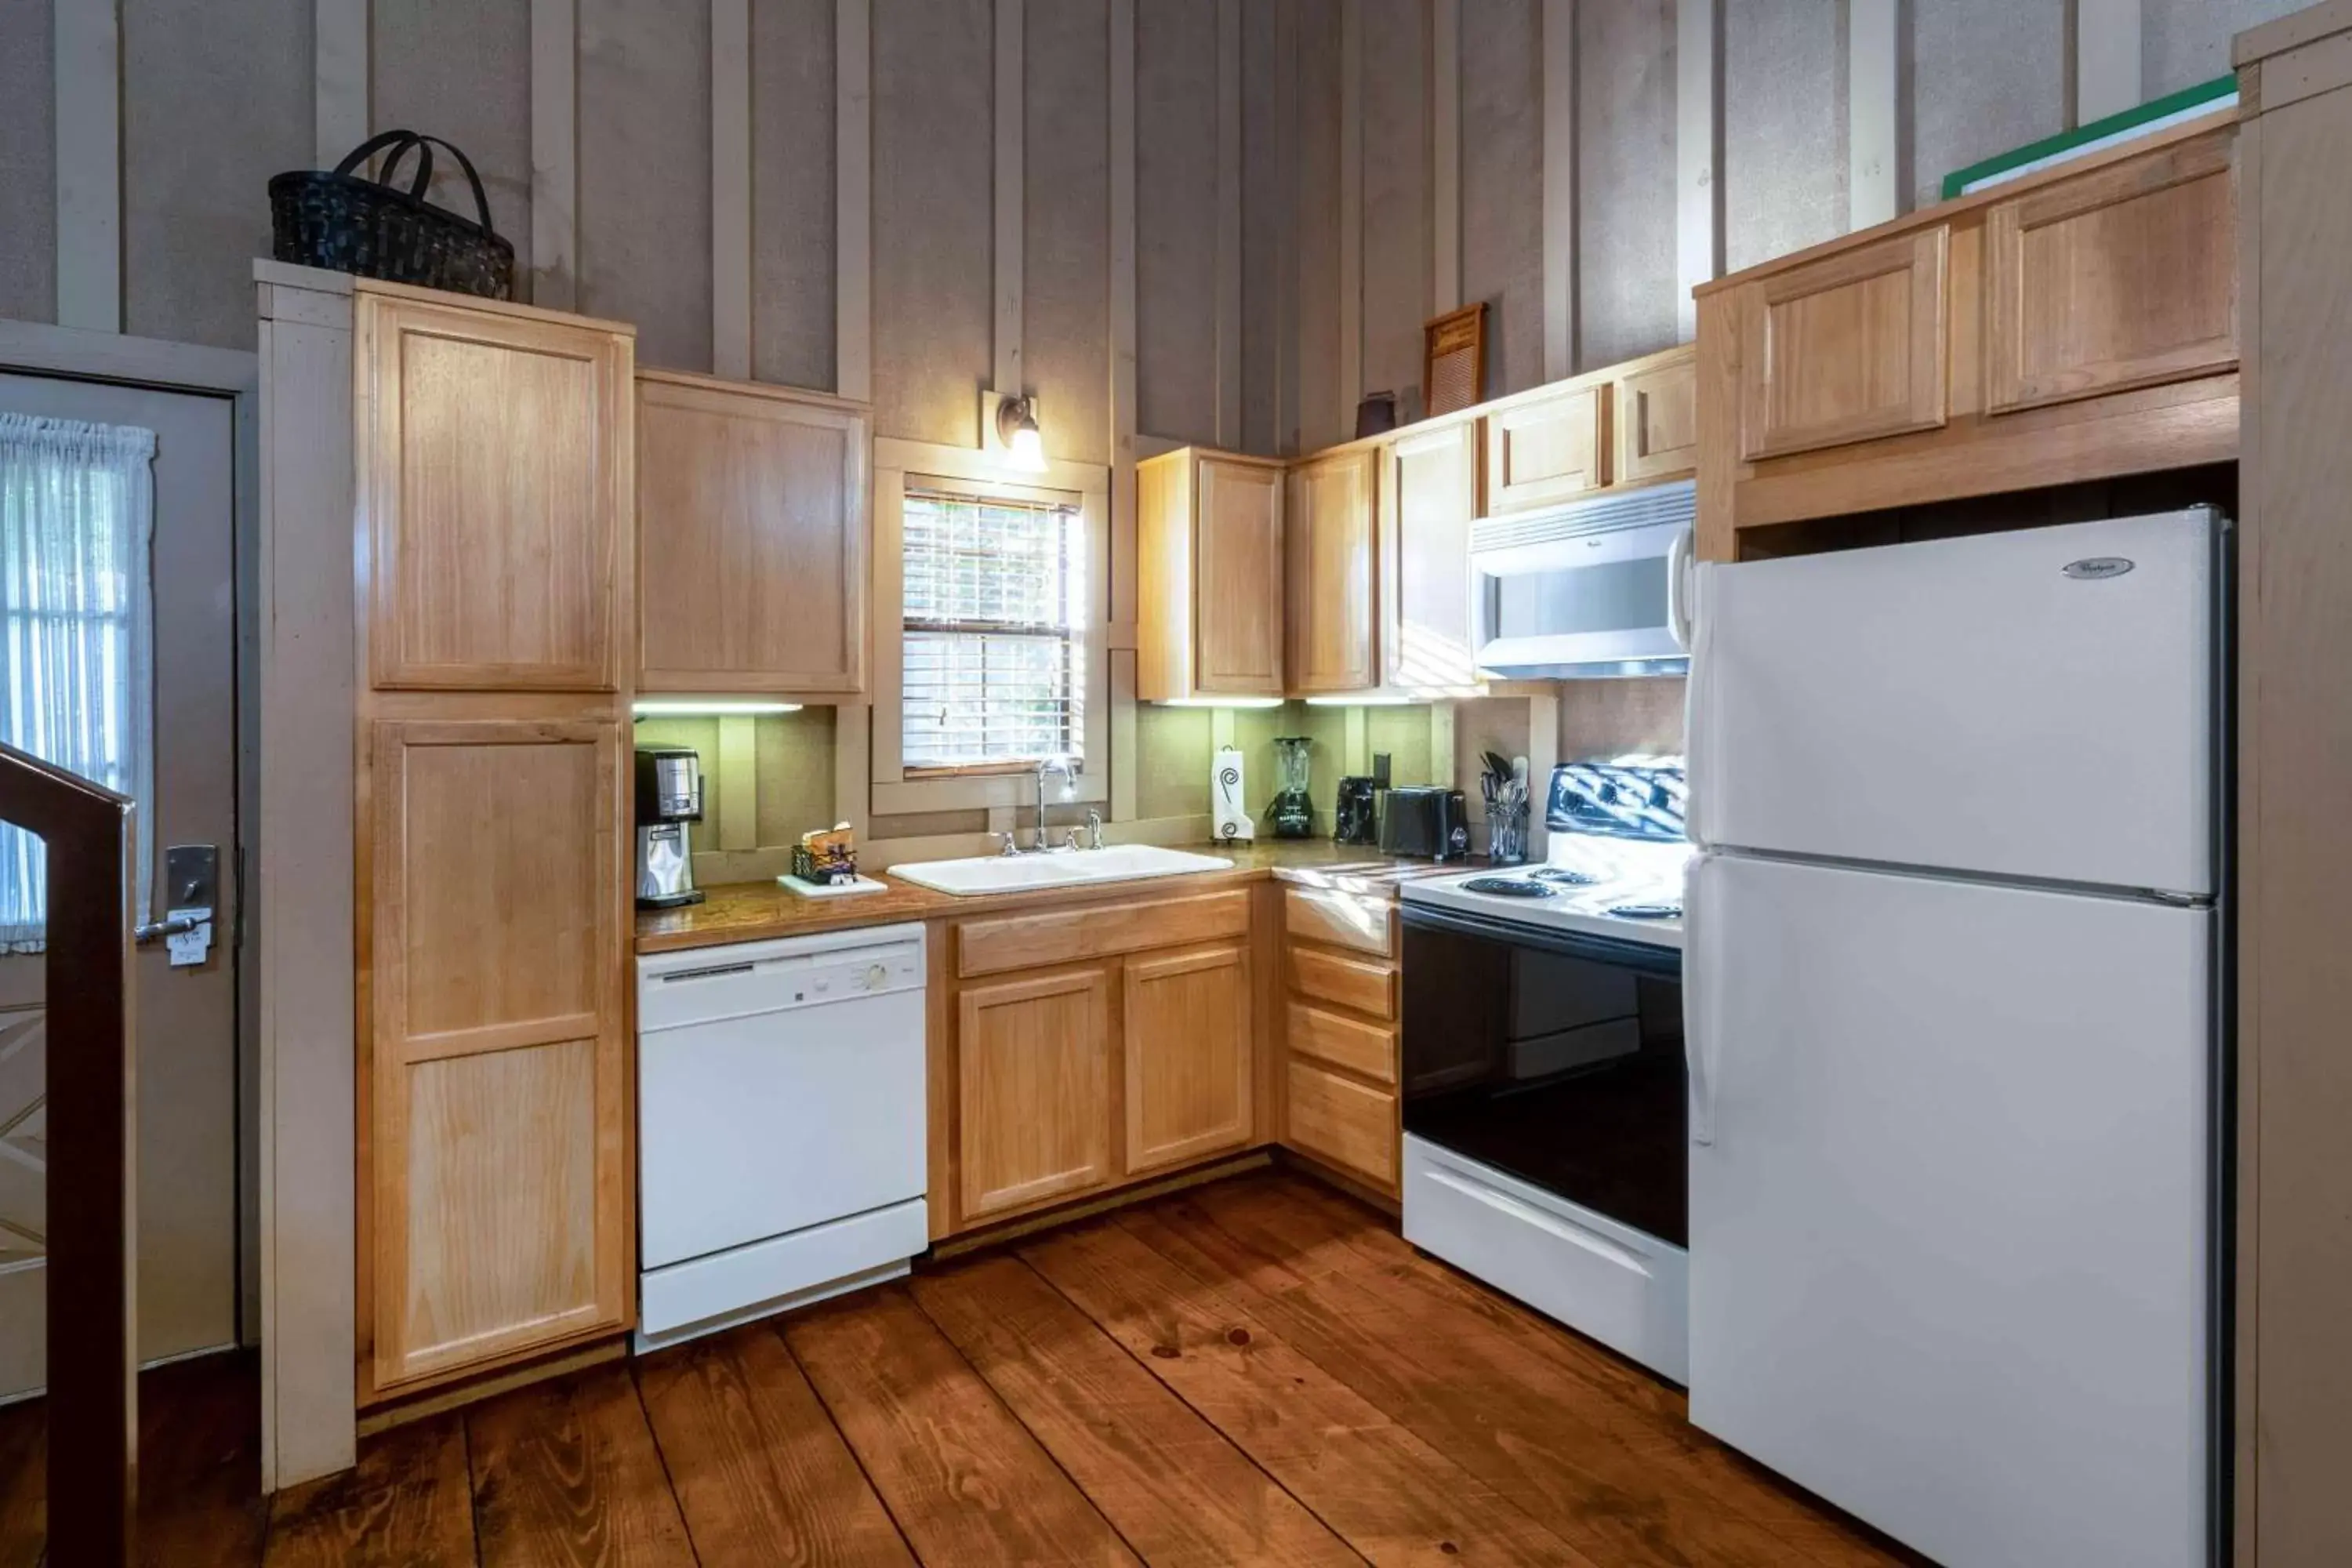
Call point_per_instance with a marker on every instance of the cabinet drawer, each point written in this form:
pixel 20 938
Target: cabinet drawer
pixel 1352 983
pixel 1339 1120
pixel 1361 1048
pixel 1096 930
pixel 1347 919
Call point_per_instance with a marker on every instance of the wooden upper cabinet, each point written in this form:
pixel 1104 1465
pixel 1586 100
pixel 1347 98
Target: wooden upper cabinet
pixel 752 522
pixel 1033 1090
pixel 1237 608
pixel 1209 554
pixel 1428 504
pixel 1848 347
pixel 1187 1048
pixel 1549 449
pixel 1657 421
pixel 493 467
pixel 1332 524
pixel 498 1177
pixel 2125 277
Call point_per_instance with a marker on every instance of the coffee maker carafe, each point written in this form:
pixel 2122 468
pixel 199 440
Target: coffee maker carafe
pixel 669 796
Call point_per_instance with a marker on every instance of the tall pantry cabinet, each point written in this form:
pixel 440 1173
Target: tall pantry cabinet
pixel 493 460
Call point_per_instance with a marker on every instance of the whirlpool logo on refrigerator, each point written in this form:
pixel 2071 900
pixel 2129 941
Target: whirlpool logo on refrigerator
pixel 2095 568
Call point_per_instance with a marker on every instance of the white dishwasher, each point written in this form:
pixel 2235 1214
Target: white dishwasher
pixel 779 1125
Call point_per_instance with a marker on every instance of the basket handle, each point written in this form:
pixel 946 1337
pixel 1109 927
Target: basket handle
pixel 400 141
pixel 481 198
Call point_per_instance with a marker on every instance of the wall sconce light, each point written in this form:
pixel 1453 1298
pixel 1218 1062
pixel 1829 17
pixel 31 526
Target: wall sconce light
pixel 1010 423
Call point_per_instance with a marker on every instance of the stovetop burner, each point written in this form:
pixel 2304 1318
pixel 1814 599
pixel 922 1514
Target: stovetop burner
pixel 1645 911
pixel 1565 878
pixel 1507 887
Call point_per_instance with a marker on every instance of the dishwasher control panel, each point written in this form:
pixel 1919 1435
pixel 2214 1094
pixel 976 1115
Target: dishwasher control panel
pixel 678 989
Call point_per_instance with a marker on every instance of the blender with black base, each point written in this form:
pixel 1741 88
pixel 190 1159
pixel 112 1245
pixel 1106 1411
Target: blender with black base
pixel 1292 810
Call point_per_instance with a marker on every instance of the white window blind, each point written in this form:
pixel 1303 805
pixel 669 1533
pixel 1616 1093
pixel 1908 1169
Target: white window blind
pixel 77 677
pixel 994 673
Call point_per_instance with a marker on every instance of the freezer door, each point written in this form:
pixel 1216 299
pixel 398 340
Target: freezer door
pixel 2015 704
pixel 1949 1241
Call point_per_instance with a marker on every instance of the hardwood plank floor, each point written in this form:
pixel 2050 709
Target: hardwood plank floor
pixel 1256 1371
pixel 761 1474
pixel 1176 1488
pixel 965 1480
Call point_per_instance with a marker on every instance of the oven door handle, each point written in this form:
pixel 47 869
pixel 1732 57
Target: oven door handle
pixel 1647 957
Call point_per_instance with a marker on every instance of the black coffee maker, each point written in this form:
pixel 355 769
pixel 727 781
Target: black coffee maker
pixel 1355 819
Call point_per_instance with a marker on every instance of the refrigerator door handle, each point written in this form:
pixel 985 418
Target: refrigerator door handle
pixel 1690 624
pixel 1699 1031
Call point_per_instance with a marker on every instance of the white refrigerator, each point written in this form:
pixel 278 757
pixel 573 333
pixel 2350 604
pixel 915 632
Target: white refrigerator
pixel 1952 992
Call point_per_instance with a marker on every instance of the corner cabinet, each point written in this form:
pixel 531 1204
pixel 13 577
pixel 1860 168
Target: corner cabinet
pixel 1210 576
pixel 1331 519
pixel 493 475
pixel 1428 504
pixel 499 1220
pixel 754 509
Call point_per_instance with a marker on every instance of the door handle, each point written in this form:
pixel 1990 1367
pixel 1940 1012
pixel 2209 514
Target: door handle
pixel 180 922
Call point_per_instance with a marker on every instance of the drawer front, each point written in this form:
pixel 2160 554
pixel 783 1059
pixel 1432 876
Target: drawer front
pixel 1356 983
pixel 1339 1120
pixel 991 946
pixel 1361 1048
pixel 1346 920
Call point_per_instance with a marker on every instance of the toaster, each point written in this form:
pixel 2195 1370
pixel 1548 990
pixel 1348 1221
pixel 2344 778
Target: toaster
pixel 1422 821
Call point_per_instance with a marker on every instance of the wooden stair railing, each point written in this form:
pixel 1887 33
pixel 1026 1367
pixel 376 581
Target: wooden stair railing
pixel 93 1459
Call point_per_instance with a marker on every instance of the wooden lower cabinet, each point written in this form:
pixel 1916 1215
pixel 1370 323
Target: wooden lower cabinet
pixel 1032 1083
pixel 1187 1047
pixel 495 1142
pixel 1340 1104
pixel 1080 1048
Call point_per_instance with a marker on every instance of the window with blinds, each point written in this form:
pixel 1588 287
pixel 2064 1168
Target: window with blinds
pixel 994 673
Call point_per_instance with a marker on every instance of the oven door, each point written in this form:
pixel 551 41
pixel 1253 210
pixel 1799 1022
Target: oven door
pixel 1552 1057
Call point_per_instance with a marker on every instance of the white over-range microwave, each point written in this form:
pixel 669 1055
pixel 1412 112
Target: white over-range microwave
pixel 1591 589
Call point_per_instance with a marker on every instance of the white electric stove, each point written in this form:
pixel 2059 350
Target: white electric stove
pixel 1546 1097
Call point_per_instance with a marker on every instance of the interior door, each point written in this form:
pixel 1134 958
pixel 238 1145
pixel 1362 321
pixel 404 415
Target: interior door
pixel 187 1083
pixel 1948 1210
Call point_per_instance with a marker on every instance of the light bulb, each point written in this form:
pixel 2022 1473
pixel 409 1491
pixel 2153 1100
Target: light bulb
pixel 1027 452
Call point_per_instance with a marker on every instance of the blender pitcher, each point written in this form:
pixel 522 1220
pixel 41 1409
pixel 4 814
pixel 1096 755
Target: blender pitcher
pixel 1292 810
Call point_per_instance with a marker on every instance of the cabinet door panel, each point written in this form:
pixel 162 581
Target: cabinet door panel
pixel 1657 423
pixel 1430 502
pixel 1237 597
pixel 1033 1090
pixel 2123 278
pixel 494 466
pixel 1188 1053
pixel 1550 451
pixel 752 515
pixel 1849 348
pixel 1331 526
pixel 497 1126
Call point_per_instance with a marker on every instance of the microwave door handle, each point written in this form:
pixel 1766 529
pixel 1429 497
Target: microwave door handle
pixel 1678 565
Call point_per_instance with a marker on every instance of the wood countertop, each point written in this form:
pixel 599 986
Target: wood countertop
pixel 760 912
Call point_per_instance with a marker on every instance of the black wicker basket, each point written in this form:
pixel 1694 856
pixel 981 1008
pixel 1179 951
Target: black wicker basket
pixel 350 223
